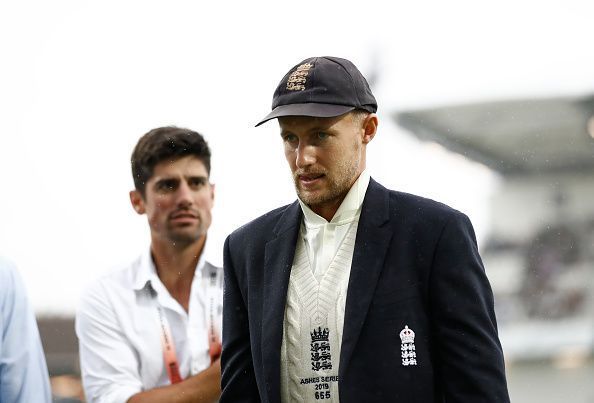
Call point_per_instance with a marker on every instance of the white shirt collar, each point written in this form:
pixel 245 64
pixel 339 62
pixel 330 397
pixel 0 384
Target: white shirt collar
pixel 348 209
pixel 147 272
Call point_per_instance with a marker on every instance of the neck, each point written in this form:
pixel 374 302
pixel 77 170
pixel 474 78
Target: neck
pixel 328 209
pixel 176 265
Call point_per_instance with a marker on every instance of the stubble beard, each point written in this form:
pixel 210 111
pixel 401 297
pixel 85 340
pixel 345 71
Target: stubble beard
pixel 338 185
pixel 183 236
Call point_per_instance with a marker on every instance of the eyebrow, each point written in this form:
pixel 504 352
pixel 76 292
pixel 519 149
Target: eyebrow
pixel 166 178
pixel 201 177
pixel 176 178
pixel 163 180
pixel 317 128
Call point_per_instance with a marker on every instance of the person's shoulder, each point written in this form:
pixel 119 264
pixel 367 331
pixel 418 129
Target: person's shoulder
pixel 423 210
pixel 107 299
pixel 263 225
pixel 424 217
pixel 11 279
pixel 122 274
pixel 414 202
pixel 7 271
pixel 115 281
pixel 12 286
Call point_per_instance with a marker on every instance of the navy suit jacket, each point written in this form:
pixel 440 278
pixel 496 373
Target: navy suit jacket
pixel 415 264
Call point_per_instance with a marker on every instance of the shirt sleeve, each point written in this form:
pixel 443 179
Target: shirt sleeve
pixel 23 371
pixel 108 362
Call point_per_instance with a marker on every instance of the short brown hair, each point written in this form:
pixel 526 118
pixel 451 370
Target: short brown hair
pixel 165 143
pixel 359 115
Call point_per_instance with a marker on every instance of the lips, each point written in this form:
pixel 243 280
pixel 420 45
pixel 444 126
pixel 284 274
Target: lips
pixel 183 216
pixel 310 179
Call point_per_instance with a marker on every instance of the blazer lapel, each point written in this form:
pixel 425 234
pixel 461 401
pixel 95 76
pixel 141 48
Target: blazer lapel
pixel 371 245
pixel 278 260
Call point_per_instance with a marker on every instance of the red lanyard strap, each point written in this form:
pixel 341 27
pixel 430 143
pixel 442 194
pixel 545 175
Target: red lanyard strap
pixel 171 364
pixel 214 285
pixel 214 346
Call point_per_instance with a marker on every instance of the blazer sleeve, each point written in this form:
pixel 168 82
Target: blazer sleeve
pixel 238 382
pixel 470 366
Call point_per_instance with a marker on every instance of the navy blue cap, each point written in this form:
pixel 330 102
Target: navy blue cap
pixel 321 87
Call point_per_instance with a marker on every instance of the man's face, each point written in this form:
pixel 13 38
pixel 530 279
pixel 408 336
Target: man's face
pixel 326 156
pixel 178 201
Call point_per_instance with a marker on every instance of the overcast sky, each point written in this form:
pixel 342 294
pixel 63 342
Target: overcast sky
pixel 81 81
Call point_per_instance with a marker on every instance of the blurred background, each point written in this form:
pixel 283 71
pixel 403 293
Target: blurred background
pixel 487 107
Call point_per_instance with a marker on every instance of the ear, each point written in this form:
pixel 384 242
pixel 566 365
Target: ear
pixel 137 201
pixel 369 127
pixel 212 191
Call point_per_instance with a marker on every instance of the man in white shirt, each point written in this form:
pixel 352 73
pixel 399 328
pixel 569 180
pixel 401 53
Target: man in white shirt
pixel 151 331
pixel 23 372
pixel 354 293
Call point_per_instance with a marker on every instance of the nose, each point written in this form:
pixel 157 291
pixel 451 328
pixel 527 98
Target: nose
pixel 184 195
pixel 306 155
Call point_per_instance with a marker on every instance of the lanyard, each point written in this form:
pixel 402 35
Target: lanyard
pixel 214 285
pixel 169 356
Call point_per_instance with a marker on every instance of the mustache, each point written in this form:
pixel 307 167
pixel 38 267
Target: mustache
pixel 308 172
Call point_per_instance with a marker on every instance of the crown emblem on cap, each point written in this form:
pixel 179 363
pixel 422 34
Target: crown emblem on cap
pixel 407 335
pixel 298 78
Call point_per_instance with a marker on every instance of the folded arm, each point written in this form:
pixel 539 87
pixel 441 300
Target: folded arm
pixel 201 388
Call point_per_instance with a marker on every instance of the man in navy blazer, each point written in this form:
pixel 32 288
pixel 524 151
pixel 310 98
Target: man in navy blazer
pixel 408 315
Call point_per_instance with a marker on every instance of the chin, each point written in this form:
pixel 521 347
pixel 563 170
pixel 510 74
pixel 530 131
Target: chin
pixel 185 237
pixel 308 198
pixel 313 200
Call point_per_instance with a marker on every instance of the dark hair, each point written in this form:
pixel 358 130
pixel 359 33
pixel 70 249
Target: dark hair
pixel 165 143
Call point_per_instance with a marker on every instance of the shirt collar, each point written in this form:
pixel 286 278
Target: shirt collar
pixel 348 209
pixel 147 272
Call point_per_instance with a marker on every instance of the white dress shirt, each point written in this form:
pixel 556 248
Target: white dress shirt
pixel 323 238
pixel 119 330
pixel 23 372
